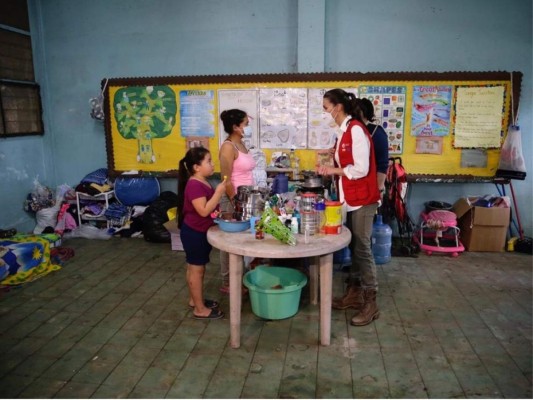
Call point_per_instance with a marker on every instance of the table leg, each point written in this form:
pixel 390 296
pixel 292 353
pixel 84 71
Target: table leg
pixel 326 283
pixel 235 299
pixel 313 279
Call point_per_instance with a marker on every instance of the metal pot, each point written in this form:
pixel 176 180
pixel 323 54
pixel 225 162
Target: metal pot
pixel 250 200
pixel 312 182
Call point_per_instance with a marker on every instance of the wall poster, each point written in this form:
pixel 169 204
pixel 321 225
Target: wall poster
pixel 143 115
pixel 245 100
pixel 321 130
pixel 479 116
pixel 283 118
pixel 389 108
pixel 197 109
pixel 430 112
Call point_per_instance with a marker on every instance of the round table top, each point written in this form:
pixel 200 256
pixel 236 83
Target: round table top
pixel 245 244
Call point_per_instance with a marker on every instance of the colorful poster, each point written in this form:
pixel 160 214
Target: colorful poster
pixel 321 127
pixel 245 100
pixel 145 115
pixel 197 109
pixel 283 118
pixel 389 108
pixel 430 115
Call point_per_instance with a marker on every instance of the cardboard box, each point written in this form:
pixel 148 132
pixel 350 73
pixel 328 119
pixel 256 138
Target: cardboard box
pixel 482 228
pixel 175 239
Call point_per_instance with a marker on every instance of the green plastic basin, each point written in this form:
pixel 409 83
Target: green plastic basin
pixel 274 291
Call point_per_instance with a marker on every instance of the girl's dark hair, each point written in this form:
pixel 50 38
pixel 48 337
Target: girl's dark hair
pixel 348 100
pixel 232 117
pixel 367 109
pixel 194 156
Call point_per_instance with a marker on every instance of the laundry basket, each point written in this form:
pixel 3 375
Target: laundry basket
pixel 274 291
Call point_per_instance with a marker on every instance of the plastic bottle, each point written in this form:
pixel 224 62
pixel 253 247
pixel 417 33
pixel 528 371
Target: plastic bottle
pixel 381 241
pixel 292 158
pixel 320 209
pixel 294 225
pixel 295 163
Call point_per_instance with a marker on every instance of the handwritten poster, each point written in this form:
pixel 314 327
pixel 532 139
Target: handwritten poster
pixel 430 114
pixel 389 108
pixel 479 116
pixel 283 118
pixel 245 100
pixel 197 110
pixel 321 127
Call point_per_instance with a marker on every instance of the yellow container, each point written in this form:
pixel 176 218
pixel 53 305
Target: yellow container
pixel 333 213
pixel 511 243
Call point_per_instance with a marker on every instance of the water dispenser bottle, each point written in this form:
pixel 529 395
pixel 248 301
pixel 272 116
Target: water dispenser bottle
pixel 381 241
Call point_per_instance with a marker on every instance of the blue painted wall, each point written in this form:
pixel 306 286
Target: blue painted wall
pixel 77 43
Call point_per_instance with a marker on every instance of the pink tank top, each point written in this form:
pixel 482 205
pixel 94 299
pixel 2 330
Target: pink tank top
pixel 243 166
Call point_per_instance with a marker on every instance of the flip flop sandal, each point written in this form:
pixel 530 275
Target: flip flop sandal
pixel 209 304
pixel 214 314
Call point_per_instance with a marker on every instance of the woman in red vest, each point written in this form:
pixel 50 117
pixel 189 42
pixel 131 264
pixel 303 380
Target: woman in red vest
pixel 356 175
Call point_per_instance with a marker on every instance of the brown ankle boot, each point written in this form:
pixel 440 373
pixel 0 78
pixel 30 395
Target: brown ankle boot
pixel 369 311
pixel 352 299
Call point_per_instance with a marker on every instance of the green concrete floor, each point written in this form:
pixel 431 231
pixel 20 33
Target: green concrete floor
pixel 114 323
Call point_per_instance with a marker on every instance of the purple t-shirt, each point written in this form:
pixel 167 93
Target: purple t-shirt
pixel 194 190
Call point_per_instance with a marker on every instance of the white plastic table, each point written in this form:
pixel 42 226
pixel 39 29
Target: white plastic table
pixel 320 250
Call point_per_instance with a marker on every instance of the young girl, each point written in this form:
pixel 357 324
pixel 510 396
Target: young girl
pixel 196 201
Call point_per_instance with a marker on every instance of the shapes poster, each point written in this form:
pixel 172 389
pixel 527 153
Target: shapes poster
pixel 321 127
pixel 389 108
pixel 430 115
pixel 283 118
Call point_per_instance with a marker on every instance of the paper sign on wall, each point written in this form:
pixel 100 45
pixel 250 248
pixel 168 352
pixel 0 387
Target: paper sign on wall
pixel 283 118
pixel 479 116
pixel 197 113
pixel 245 100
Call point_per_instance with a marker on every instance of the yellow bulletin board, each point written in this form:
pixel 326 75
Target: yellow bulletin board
pixel 151 122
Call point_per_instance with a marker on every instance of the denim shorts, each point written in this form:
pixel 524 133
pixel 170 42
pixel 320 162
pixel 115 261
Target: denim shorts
pixel 196 246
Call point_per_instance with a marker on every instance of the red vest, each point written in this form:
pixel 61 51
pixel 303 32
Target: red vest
pixel 362 191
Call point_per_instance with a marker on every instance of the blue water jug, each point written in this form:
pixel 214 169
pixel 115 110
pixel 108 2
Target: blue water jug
pixel 381 241
pixel 280 184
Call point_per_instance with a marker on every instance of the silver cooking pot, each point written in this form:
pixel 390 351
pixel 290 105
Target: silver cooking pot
pixel 312 182
pixel 250 200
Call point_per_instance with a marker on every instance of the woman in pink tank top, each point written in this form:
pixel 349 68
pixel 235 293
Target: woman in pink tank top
pixel 237 164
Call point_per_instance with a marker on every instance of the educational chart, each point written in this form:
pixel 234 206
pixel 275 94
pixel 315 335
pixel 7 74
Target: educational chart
pixel 245 100
pixel 430 112
pixel 479 116
pixel 197 113
pixel 322 129
pixel 283 118
pixel 389 108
